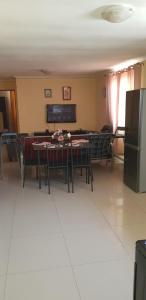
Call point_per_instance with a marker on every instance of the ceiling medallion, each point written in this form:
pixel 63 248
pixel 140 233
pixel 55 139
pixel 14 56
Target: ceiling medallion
pixel 116 13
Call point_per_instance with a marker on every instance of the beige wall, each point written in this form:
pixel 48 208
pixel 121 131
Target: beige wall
pixel 87 93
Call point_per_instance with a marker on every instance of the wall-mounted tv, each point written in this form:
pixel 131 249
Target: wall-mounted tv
pixel 61 113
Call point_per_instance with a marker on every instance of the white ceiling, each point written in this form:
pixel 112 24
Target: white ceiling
pixel 65 36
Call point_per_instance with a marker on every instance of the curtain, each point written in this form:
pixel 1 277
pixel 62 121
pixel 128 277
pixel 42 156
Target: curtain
pixel 137 76
pixel 117 84
pixel 125 83
pixel 112 100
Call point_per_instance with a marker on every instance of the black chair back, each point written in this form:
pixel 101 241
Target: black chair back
pixel 103 146
pixel 58 158
pixel 107 129
pixel 81 158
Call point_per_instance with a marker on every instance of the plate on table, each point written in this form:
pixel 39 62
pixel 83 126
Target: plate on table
pixel 80 141
pixel 76 145
pixel 39 146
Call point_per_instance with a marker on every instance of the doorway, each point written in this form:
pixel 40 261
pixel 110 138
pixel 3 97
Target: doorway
pixel 8 121
pixel 3 114
pixel 8 111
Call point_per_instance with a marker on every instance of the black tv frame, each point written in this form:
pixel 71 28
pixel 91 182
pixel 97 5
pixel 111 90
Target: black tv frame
pixel 62 116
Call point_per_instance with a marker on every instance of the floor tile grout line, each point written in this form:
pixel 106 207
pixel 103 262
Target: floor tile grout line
pixel 68 253
pixel 105 219
pixel 110 226
pixel 9 247
pixel 35 235
pixel 62 233
pixel 48 269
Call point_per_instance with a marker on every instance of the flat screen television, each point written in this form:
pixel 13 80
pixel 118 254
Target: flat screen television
pixel 61 113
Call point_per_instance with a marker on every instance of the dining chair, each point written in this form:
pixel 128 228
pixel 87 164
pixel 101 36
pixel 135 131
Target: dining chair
pixel 103 147
pixel 119 138
pixel 58 158
pixel 81 159
pixel 8 139
pixel 107 128
pixel 120 132
pixel 29 156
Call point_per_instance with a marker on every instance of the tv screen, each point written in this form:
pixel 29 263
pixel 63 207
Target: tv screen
pixel 61 113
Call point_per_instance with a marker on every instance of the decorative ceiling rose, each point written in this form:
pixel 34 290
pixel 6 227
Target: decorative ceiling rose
pixel 117 13
pixel 44 72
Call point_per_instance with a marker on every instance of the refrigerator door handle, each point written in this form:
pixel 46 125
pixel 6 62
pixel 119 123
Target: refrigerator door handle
pixel 135 279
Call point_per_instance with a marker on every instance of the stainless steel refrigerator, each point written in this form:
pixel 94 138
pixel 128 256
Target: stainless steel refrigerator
pixel 135 140
pixel 139 291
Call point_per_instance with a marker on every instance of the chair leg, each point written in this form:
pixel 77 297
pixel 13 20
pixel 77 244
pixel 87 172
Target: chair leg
pixel 45 169
pixel 23 175
pixel 39 166
pixel 48 179
pixel 68 184
pixel 22 169
pixel 65 176
pixel 91 174
pixel 39 175
pixel 86 175
pixel 72 179
pixel 92 177
pixel 17 152
pixel 70 174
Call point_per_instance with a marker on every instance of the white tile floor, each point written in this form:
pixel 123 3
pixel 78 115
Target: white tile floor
pixel 69 246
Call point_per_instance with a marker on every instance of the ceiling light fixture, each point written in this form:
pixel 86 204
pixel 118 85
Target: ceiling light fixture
pixel 44 72
pixel 117 13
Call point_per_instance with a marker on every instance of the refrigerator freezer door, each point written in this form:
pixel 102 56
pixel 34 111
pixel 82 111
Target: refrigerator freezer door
pixel 140 272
